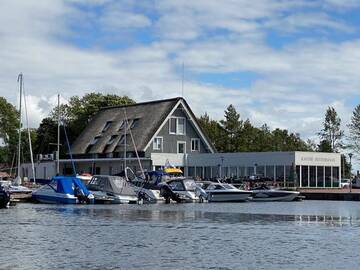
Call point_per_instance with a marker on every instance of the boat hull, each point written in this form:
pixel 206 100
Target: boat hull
pixel 224 196
pixel 269 196
pixel 102 197
pixel 54 198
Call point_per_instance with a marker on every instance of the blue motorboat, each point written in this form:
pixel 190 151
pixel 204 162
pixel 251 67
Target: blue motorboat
pixel 66 190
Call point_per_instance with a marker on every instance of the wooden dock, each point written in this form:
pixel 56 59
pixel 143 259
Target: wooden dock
pixel 333 194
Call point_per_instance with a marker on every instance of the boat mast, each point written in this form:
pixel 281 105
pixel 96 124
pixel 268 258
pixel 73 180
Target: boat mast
pixel 29 138
pixel 125 128
pixel 58 138
pixel 20 81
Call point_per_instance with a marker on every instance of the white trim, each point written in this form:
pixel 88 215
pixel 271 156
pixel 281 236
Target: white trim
pixel 162 143
pixel 192 140
pixel 191 118
pixel 177 146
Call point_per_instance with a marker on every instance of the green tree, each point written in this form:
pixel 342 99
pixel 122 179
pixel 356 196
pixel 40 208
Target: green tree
pixel 232 126
pixel 46 136
pixel 331 131
pixel 354 130
pixel 214 131
pixel 325 146
pixel 9 122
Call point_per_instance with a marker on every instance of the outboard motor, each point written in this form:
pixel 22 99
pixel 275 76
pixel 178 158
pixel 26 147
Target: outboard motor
pixel 201 193
pixel 79 193
pixel 4 197
pixel 168 194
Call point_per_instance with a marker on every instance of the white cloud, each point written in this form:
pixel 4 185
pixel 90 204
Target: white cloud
pixel 296 82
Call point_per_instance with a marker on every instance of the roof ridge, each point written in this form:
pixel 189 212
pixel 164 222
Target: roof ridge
pixel 142 103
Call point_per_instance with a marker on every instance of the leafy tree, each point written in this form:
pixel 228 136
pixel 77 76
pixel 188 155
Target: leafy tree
pixel 213 130
pixel 9 122
pixel 232 126
pixel 325 146
pixel 46 136
pixel 346 167
pixel 332 132
pixel 235 135
pixel 354 129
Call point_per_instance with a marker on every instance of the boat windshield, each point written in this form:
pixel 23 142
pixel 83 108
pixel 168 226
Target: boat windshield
pixel 228 186
pixel 190 184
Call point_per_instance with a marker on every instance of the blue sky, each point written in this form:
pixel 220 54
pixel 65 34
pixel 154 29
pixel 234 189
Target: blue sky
pixel 278 62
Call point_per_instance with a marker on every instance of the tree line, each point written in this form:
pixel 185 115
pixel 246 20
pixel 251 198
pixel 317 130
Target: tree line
pixel 231 134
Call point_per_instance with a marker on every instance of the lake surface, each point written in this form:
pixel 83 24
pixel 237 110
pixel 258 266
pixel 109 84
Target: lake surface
pixel 271 235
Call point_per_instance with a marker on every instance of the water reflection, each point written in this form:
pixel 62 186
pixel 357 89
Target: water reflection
pixel 136 214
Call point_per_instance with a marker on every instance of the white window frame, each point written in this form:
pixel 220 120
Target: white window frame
pixel 193 140
pixel 162 143
pixel 177 125
pixel 177 147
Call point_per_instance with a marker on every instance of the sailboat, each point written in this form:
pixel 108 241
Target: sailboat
pixel 15 187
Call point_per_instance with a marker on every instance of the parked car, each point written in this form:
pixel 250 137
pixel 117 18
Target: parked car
pixel 345 183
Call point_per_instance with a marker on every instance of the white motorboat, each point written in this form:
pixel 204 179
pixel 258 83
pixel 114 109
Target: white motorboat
pixel 223 192
pixel 148 189
pixel 67 190
pixel 112 189
pixel 266 194
pixel 180 190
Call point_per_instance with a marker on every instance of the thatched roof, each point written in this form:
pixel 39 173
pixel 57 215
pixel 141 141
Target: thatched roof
pixel 105 132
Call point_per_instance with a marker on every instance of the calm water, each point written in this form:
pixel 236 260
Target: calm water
pixel 296 235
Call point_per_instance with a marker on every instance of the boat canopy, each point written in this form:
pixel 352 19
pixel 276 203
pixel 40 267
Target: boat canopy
pixel 111 184
pixel 67 185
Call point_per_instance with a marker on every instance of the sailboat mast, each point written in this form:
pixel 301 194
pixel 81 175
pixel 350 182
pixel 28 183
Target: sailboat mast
pixel 125 128
pixel 58 138
pixel 29 137
pixel 20 80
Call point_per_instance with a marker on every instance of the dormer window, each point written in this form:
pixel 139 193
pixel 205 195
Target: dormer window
pixel 112 139
pixel 122 139
pixel 134 123
pixel 177 125
pixel 122 125
pixel 95 140
pixel 107 126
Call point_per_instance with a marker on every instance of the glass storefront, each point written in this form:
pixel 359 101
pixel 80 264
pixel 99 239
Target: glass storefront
pixel 207 172
pixel 242 171
pixel 327 176
pixel 250 171
pixel 233 171
pixel 312 176
pixel 320 176
pixel 260 170
pixel 335 176
pixel 280 173
pixel 304 176
pixel 270 172
pixel 199 172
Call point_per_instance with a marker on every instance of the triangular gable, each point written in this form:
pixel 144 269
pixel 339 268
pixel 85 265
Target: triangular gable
pixel 193 119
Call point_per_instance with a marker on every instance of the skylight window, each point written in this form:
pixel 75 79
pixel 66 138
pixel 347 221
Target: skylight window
pixel 95 140
pixel 107 126
pixel 112 139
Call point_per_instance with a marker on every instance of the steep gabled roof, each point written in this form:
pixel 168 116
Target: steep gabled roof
pixel 148 117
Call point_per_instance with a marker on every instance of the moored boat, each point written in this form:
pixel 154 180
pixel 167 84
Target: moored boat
pixel 180 190
pixel 266 194
pixel 111 189
pixel 223 192
pixel 62 189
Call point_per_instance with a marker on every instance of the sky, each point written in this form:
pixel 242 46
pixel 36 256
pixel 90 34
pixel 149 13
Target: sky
pixel 278 62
